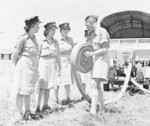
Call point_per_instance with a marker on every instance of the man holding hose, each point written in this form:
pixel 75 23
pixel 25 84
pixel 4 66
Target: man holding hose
pixel 100 43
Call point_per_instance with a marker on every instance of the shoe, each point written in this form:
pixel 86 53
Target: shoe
pixel 37 110
pixel 92 113
pixel 57 101
pixel 66 101
pixel 63 102
pixel 46 110
pixel 82 98
pixel 30 116
pixel 69 101
pixel 38 113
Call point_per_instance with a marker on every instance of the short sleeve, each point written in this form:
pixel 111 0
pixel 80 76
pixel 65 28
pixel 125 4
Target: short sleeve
pixel 57 44
pixel 19 45
pixel 104 36
pixel 71 41
pixel 44 51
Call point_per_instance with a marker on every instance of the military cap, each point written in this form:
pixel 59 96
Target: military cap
pixel 50 25
pixel 64 26
pixel 95 17
pixel 32 20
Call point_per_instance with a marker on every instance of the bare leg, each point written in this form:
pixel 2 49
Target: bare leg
pixel 84 87
pixel 94 96
pixel 38 99
pixel 100 95
pixel 46 97
pixel 112 83
pixel 27 101
pixel 57 93
pixel 67 88
pixel 19 103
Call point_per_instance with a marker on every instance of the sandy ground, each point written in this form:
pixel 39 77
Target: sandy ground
pixel 128 111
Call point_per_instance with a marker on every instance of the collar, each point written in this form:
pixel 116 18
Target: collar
pixel 63 38
pixel 33 39
pixel 48 41
pixel 27 36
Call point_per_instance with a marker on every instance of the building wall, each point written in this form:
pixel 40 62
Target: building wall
pixel 5 56
pixel 140 46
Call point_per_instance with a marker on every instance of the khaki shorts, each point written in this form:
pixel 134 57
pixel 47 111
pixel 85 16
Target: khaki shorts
pixel 100 69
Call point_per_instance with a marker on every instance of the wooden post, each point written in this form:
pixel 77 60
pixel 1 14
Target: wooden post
pixel 2 56
pixel 9 56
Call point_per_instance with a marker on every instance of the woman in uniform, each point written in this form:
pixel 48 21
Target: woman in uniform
pixel 26 58
pixel 66 44
pixel 85 76
pixel 49 66
pixel 100 42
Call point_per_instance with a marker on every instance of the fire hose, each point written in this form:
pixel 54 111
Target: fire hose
pixel 83 64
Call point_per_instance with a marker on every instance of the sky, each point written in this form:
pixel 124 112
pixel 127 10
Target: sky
pixel 14 12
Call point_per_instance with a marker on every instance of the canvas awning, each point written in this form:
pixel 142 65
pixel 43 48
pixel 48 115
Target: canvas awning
pixel 127 24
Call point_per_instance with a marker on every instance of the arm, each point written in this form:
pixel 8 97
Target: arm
pixel 58 61
pixel 15 58
pixel 103 42
pixel 18 49
pixel 71 42
pixel 103 50
pixel 40 49
pixel 58 58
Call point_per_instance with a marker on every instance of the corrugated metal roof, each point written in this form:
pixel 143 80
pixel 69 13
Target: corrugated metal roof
pixel 127 24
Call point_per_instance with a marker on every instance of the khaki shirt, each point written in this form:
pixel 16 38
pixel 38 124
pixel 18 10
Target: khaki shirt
pixel 27 46
pixel 50 49
pixel 101 36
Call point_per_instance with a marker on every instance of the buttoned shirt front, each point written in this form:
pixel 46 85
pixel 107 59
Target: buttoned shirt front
pixel 49 48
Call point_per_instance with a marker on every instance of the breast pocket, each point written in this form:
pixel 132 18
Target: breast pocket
pixel 53 50
pixel 45 51
pixel 31 48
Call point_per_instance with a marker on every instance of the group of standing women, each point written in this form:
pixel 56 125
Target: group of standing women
pixel 41 65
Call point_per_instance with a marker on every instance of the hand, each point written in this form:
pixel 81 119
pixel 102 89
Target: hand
pixel 88 54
